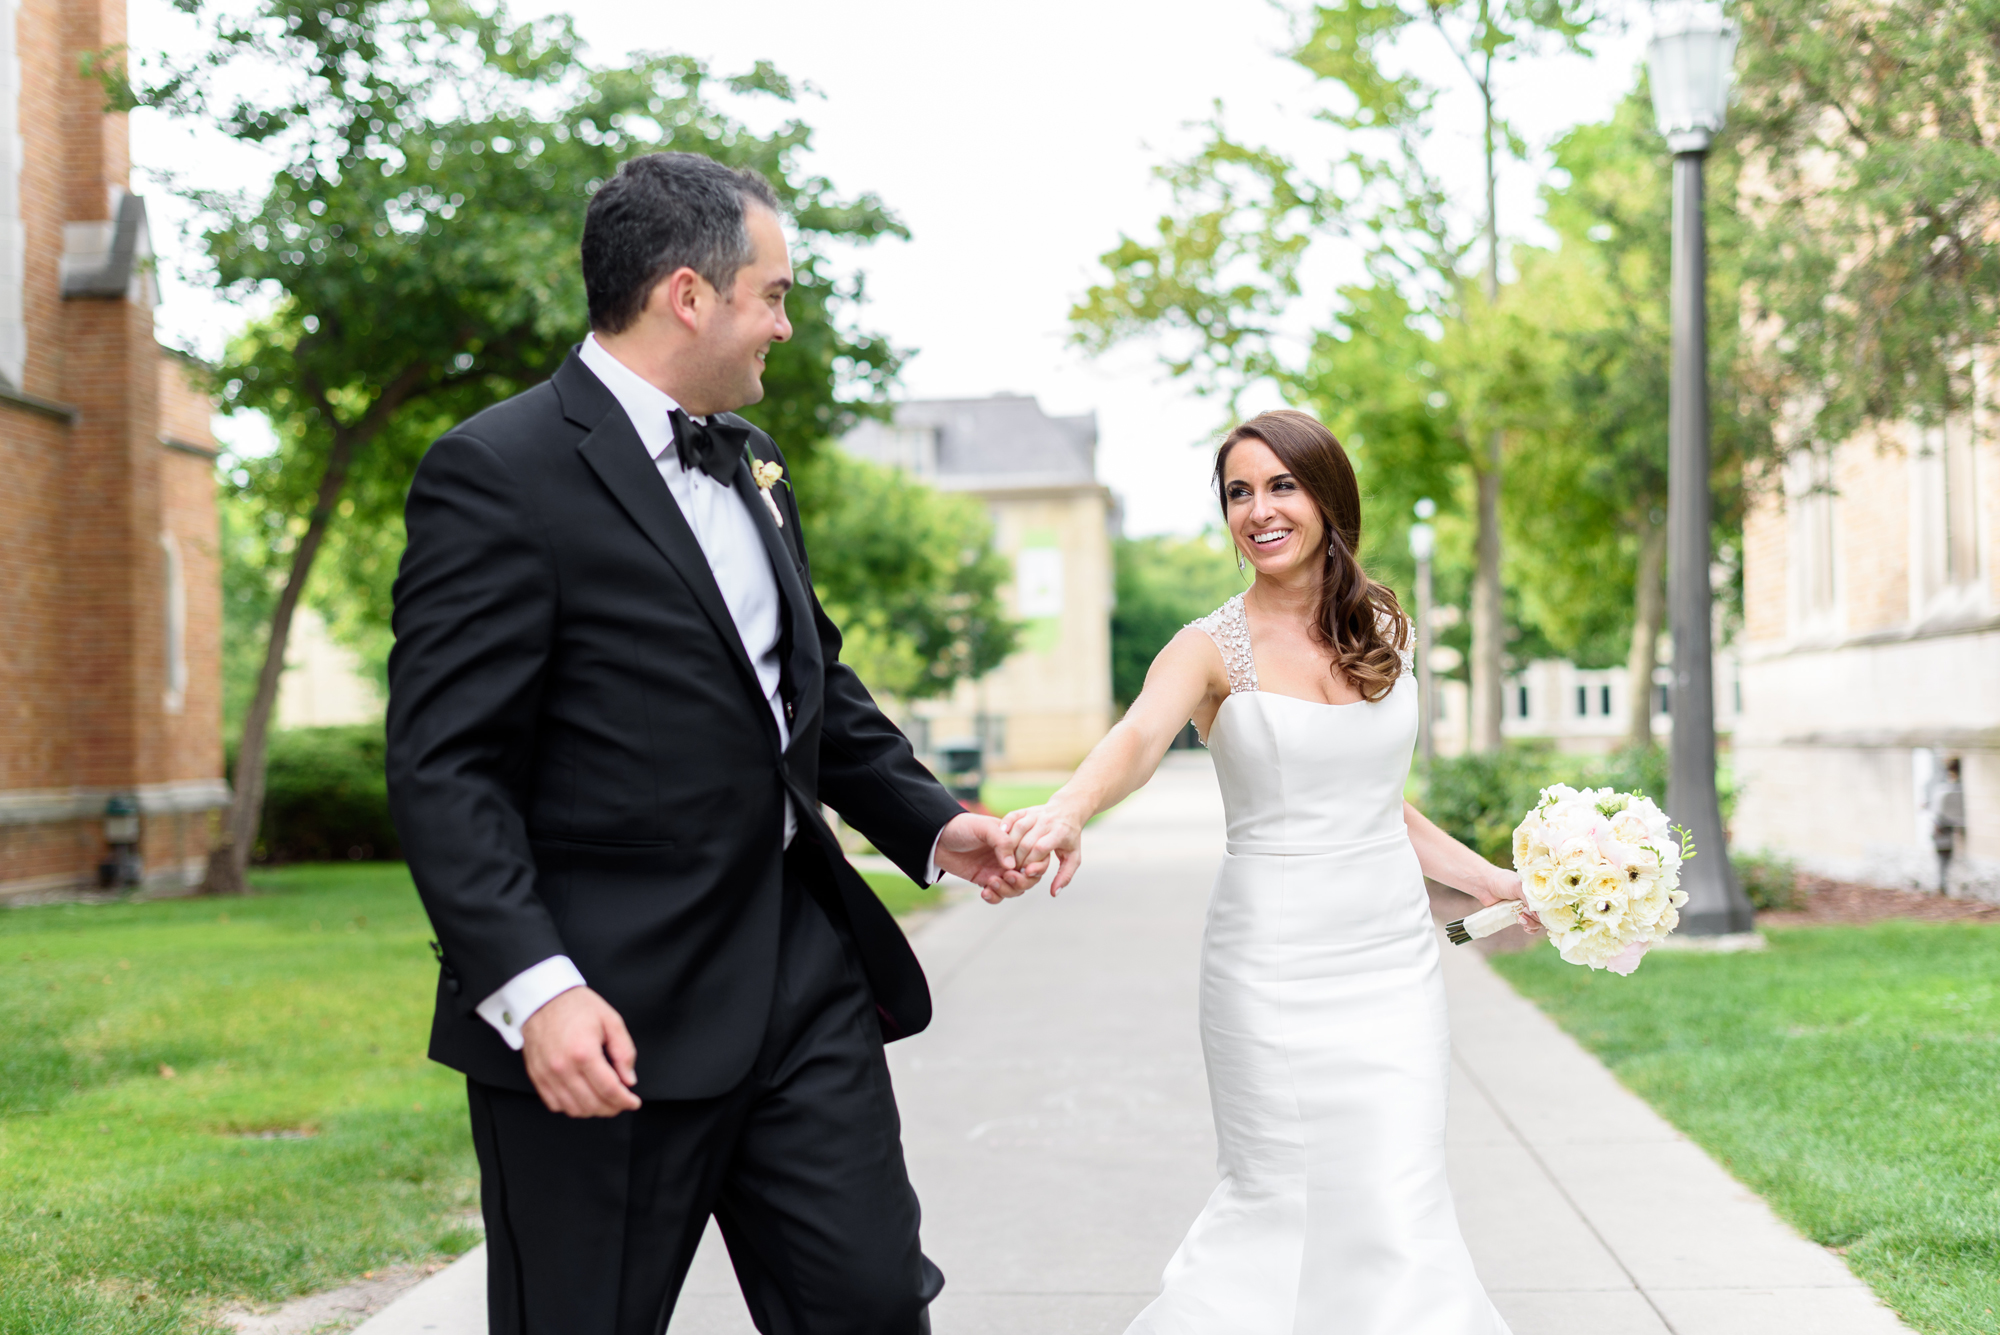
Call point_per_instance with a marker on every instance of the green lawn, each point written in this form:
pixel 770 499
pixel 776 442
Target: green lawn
pixel 301 1138
pixel 899 892
pixel 1850 1075
pixel 1001 798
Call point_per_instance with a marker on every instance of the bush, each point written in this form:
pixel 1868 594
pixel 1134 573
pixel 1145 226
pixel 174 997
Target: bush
pixel 1769 879
pixel 1481 798
pixel 326 796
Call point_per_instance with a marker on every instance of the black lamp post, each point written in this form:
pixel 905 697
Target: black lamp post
pixel 1690 60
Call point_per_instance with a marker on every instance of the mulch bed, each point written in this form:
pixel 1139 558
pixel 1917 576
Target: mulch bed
pixel 1819 901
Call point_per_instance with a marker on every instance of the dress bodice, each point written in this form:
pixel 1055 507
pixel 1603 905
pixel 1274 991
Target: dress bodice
pixel 1302 776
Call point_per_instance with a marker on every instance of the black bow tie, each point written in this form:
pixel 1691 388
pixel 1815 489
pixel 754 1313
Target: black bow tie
pixel 713 447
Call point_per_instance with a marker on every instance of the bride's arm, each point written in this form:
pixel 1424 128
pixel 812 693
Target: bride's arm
pixel 1185 675
pixel 1449 862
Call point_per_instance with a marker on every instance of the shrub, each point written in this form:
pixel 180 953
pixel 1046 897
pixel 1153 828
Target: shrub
pixel 326 796
pixel 1481 798
pixel 1769 879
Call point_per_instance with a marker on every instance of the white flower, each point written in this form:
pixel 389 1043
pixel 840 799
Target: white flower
pixel 1602 870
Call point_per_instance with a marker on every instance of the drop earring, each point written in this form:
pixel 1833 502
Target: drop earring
pixel 1239 560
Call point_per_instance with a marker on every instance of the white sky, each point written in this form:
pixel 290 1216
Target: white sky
pixel 1016 142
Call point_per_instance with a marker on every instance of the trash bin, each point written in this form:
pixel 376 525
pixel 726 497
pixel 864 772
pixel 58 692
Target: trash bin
pixel 962 768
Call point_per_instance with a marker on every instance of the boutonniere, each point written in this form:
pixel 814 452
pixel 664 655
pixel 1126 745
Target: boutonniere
pixel 768 475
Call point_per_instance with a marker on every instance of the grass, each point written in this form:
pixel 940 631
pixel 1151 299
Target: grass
pixel 209 1099
pixel 1848 1075
pixel 1001 798
pixel 300 1139
pixel 899 892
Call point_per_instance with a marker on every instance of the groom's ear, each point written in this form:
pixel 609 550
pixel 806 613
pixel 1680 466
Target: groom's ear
pixel 681 300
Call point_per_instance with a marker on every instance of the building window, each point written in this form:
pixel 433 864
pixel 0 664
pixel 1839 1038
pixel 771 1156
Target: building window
pixel 1604 701
pixel 1583 702
pixel 13 241
pixel 1815 539
pixel 1038 582
pixel 1667 699
pixel 1522 696
pixel 1944 523
pixel 174 600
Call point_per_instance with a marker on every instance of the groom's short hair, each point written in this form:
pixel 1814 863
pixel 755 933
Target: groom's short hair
pixel 663 212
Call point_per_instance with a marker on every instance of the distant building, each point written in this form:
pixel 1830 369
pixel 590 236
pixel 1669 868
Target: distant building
pixel 110 679
pixel 1045 707
pixel 324 683
pixel 1577 709
pixel 1872 658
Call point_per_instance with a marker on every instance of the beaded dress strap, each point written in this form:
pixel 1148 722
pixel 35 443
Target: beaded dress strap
pixel 1407 650
pixel 1230 629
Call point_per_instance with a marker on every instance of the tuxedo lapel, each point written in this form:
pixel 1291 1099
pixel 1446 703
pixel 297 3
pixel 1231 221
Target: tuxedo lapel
pixel 808 673
pixel 618 457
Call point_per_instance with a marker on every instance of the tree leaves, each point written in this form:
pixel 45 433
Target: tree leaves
pixel 1875 265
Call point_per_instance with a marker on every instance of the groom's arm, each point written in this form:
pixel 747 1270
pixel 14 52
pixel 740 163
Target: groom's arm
pixel 474 623
pixel 868 771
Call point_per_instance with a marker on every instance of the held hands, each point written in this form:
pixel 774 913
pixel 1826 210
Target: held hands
pixel 1052 832
pixel 975 847
pixel 580 1056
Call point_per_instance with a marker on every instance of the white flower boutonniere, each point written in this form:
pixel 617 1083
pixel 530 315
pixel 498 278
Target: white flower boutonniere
pixel 768 475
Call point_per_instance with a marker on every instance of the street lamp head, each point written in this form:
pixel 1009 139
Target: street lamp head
pixel 1426 508
pixel 1423 541
pixel 1691 59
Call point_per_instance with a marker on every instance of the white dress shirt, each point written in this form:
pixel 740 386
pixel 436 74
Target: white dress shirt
pixel 727 531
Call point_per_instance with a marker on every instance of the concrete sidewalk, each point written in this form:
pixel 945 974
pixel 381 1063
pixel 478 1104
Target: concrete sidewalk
pixel 1057 1124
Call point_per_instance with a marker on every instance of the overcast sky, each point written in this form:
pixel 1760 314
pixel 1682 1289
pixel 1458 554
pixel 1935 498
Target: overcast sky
pixel 1017 142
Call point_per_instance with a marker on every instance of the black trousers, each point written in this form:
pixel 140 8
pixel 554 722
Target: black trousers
pixel 591 1224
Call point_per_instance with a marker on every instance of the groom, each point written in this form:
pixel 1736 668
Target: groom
pixel 615 709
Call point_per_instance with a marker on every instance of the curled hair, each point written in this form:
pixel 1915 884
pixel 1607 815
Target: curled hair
pixel 1357 621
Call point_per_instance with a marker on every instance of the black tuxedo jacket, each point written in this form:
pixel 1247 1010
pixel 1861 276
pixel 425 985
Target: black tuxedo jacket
pixel 581 760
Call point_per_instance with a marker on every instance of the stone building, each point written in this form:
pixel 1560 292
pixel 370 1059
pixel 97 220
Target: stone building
pixel 1872 658
pixel 1048 704
pixel 110 685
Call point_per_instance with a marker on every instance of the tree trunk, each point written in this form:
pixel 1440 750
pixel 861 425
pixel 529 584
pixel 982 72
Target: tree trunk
pixel 226 864
pixel 1649 609
pixel 1488 621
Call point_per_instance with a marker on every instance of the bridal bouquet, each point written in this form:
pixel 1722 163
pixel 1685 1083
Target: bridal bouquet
pixel 1601 869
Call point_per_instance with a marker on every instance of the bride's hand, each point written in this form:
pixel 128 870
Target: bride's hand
pixel 1507 885
pixel 1046 833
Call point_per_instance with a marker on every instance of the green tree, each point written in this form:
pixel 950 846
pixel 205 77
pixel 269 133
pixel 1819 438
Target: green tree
pixel 1223 269
pixel 1874 267
pixel 1161 584
pixel 909 574
pixel 419 240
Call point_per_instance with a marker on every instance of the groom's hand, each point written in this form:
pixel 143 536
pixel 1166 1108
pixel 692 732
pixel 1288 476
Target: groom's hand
pixel 580 1056
pixel 974 847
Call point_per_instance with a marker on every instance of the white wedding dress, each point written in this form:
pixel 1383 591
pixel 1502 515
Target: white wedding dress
pixel 1323 1023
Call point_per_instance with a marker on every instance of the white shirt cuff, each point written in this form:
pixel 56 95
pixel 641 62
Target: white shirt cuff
pixel 527 992
pixel 932 872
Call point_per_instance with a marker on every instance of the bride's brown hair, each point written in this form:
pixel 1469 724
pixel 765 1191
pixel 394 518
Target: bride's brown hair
pixel 1356 620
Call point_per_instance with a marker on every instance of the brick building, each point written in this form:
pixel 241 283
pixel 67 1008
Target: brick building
pixel 110 683
pixel 1871 657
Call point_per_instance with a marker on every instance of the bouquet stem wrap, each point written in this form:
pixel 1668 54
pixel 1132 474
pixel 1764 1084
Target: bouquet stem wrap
pixel 1493 918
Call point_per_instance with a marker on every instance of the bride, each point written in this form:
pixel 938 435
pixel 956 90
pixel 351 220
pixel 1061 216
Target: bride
pixel 1322 1007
